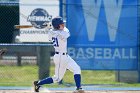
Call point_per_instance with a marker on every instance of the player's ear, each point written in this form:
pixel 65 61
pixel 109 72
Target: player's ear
pixel 61 26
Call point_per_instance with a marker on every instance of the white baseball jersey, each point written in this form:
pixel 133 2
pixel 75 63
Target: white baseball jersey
pixel 59 39
pixel 61 59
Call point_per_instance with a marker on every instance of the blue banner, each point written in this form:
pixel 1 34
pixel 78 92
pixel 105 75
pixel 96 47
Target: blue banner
pixel 104 33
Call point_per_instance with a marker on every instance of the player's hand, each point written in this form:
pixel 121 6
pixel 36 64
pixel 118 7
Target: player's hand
pixel 48 28
pixel 48 25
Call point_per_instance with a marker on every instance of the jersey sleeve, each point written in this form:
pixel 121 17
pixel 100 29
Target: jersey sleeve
pixel 64 34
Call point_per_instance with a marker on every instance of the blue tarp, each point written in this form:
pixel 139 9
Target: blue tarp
pixel 104 33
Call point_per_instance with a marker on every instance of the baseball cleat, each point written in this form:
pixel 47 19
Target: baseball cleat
pixel 36 86
pixel 79 90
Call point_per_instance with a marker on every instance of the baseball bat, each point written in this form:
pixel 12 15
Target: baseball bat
pixel 22 26
pixel 29 26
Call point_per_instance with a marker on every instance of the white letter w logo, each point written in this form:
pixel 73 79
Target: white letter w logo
pixel 91 10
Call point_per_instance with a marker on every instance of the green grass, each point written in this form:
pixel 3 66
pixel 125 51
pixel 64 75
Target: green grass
pixel 18 76
pixel 25 75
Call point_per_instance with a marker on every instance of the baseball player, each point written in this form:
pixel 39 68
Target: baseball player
pixel 58 35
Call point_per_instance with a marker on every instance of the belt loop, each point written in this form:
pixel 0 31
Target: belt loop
pixel 62 53
pixel 57 52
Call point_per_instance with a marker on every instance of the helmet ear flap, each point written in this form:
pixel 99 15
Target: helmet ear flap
pixel 57 27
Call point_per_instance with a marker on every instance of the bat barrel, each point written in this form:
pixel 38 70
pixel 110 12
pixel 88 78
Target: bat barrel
pixel 22 26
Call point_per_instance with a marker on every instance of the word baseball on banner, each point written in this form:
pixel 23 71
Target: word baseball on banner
pixel 104 33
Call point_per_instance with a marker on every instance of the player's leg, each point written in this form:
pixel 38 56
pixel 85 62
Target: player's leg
pixel 47 80
pixel 37 84
pixel 75 68
pixel 60 69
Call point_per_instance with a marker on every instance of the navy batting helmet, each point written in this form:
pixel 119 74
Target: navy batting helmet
pixel 57 21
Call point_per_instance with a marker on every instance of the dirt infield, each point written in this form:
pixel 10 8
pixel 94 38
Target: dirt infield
pixel 28 91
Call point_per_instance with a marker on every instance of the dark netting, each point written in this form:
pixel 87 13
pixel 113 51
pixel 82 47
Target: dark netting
pixel 9 16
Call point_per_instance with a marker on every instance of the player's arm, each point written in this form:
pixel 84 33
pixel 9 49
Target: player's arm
pixel 64 34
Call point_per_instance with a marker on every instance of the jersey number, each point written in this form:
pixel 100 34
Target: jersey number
pixel 55 41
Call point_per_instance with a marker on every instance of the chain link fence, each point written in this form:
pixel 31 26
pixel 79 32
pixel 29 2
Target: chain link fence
pixel 21 69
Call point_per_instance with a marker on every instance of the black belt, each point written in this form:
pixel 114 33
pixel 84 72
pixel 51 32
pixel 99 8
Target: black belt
pixel 62 53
